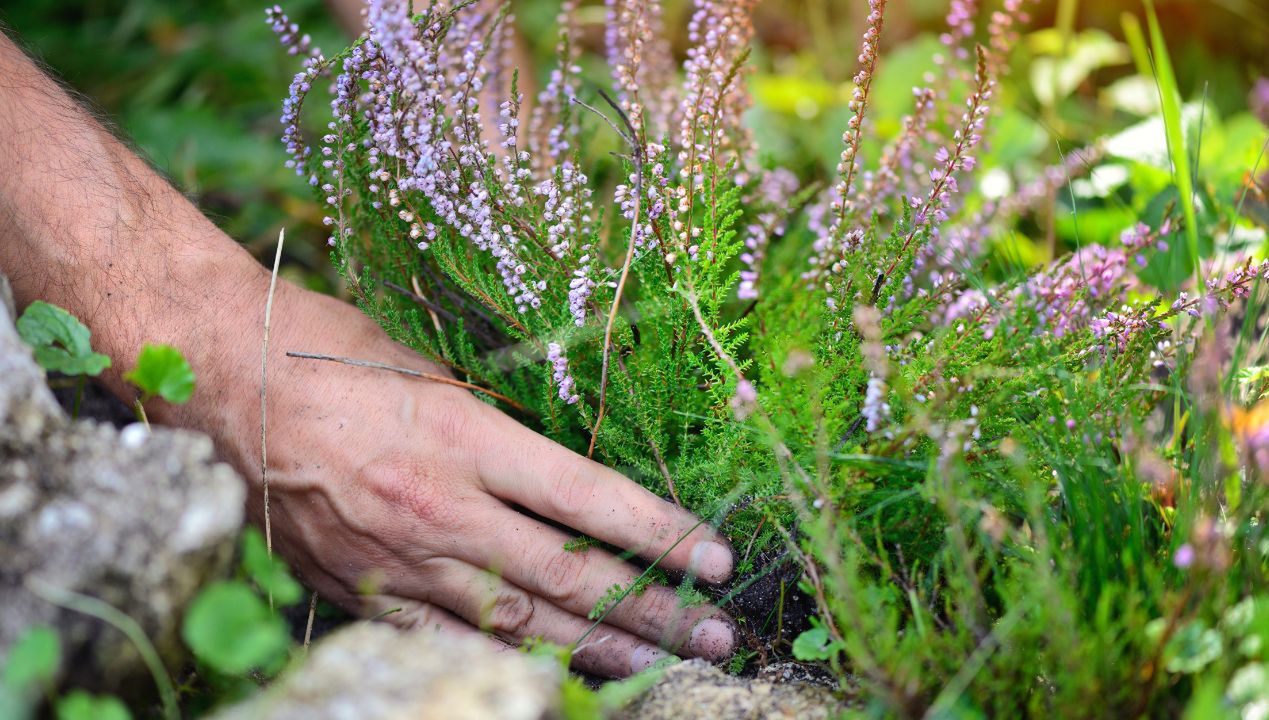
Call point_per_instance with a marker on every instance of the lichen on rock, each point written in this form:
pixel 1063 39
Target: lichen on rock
pixel 139 519
pixel 372 670
pixel 695 689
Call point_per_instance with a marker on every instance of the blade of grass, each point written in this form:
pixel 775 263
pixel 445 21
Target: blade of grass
pixel 111 615
pixel 1136 40
pixel 1170 105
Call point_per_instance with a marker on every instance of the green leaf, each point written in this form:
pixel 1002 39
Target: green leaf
pixel 1207 703
pixel 1075 59
pixel 1251 374
pixel 269 573
pixel 34 659
pixel 814 644
pixel 1170 101
pixel 1194 647
pixel 163 372
pixel 60 340
pixel 230 628
pixel 79 705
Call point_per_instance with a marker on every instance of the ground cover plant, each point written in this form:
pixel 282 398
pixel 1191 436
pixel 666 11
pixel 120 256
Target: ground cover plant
pixel 1009 486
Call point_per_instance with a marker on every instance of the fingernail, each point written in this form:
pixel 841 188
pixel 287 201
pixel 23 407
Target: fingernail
pixel 711 562
pixel 645 656
pixel 712 639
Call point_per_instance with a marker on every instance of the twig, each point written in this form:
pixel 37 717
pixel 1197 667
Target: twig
pixel 140 409
pixel 264 382
pixel 418 293
pixel 636 159
pixel 407 371
pixel 418 297
pixel 308 628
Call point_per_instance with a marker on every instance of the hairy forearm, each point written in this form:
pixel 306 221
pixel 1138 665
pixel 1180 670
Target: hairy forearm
pixel 87 225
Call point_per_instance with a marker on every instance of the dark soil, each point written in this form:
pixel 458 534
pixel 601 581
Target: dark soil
pixel 771 612
pixel 96 404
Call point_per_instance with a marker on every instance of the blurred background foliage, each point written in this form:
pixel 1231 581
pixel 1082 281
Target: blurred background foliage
pixel 198 87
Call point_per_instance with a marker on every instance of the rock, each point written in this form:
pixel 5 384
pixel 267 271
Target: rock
pixel 137 519
pixel 695 689
pixel 372 670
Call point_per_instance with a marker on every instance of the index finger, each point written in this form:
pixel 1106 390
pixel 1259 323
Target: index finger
pixel 522 467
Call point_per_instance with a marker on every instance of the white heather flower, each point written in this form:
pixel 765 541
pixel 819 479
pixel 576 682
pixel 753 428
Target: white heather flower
pixel 876 410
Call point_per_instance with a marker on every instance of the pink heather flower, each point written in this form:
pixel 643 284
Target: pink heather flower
pixel 714 98
pixel 1259 99
pixel 960 27
pixel 774 192
pixel 301 45
pixel 553 123
pixel 565 198
pixel 1121 327
pixel 289 35
pixel 1184 556
pixel 641 61
pixel 745 401
pixel 842 204
pixel 953 251
pixel 1002 34
pixel 559 372
pixel 878 188
pixel 428 118
pixel 931 212
pixel 1062 296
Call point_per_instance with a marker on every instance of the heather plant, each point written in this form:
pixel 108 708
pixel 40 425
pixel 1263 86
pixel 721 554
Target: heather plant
pixel 1009 488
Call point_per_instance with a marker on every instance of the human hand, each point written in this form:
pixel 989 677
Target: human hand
pixel 386 491
pixel 394 492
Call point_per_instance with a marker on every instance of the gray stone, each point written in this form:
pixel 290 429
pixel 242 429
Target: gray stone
pixel 372 670
pixel 139 520
pixel 697 690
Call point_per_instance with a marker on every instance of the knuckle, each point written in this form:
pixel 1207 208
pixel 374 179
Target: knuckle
pixel 560 577
pixel 656 610
pixel 572 490
pixel 511 613
pixel 417 618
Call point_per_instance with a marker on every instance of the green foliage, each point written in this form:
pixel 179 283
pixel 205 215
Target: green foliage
pixel 231 629
pixel 270 574
pixel 162 371
pixel 34 660
pixel 1178 148
pixel 814 644
pixel 616 594
pixel 60 340
pixel 79 705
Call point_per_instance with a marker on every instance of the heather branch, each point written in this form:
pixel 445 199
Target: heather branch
pixel 407 371
pixel 933 210
pixel 868 55
pixel 636 158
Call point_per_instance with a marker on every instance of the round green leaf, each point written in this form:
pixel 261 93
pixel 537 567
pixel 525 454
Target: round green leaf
pixel 60 341
pixel 163 372
pixel 34 659
pixel 230 628
pixel 814 644
pixel 79 705
pixel 1193 648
